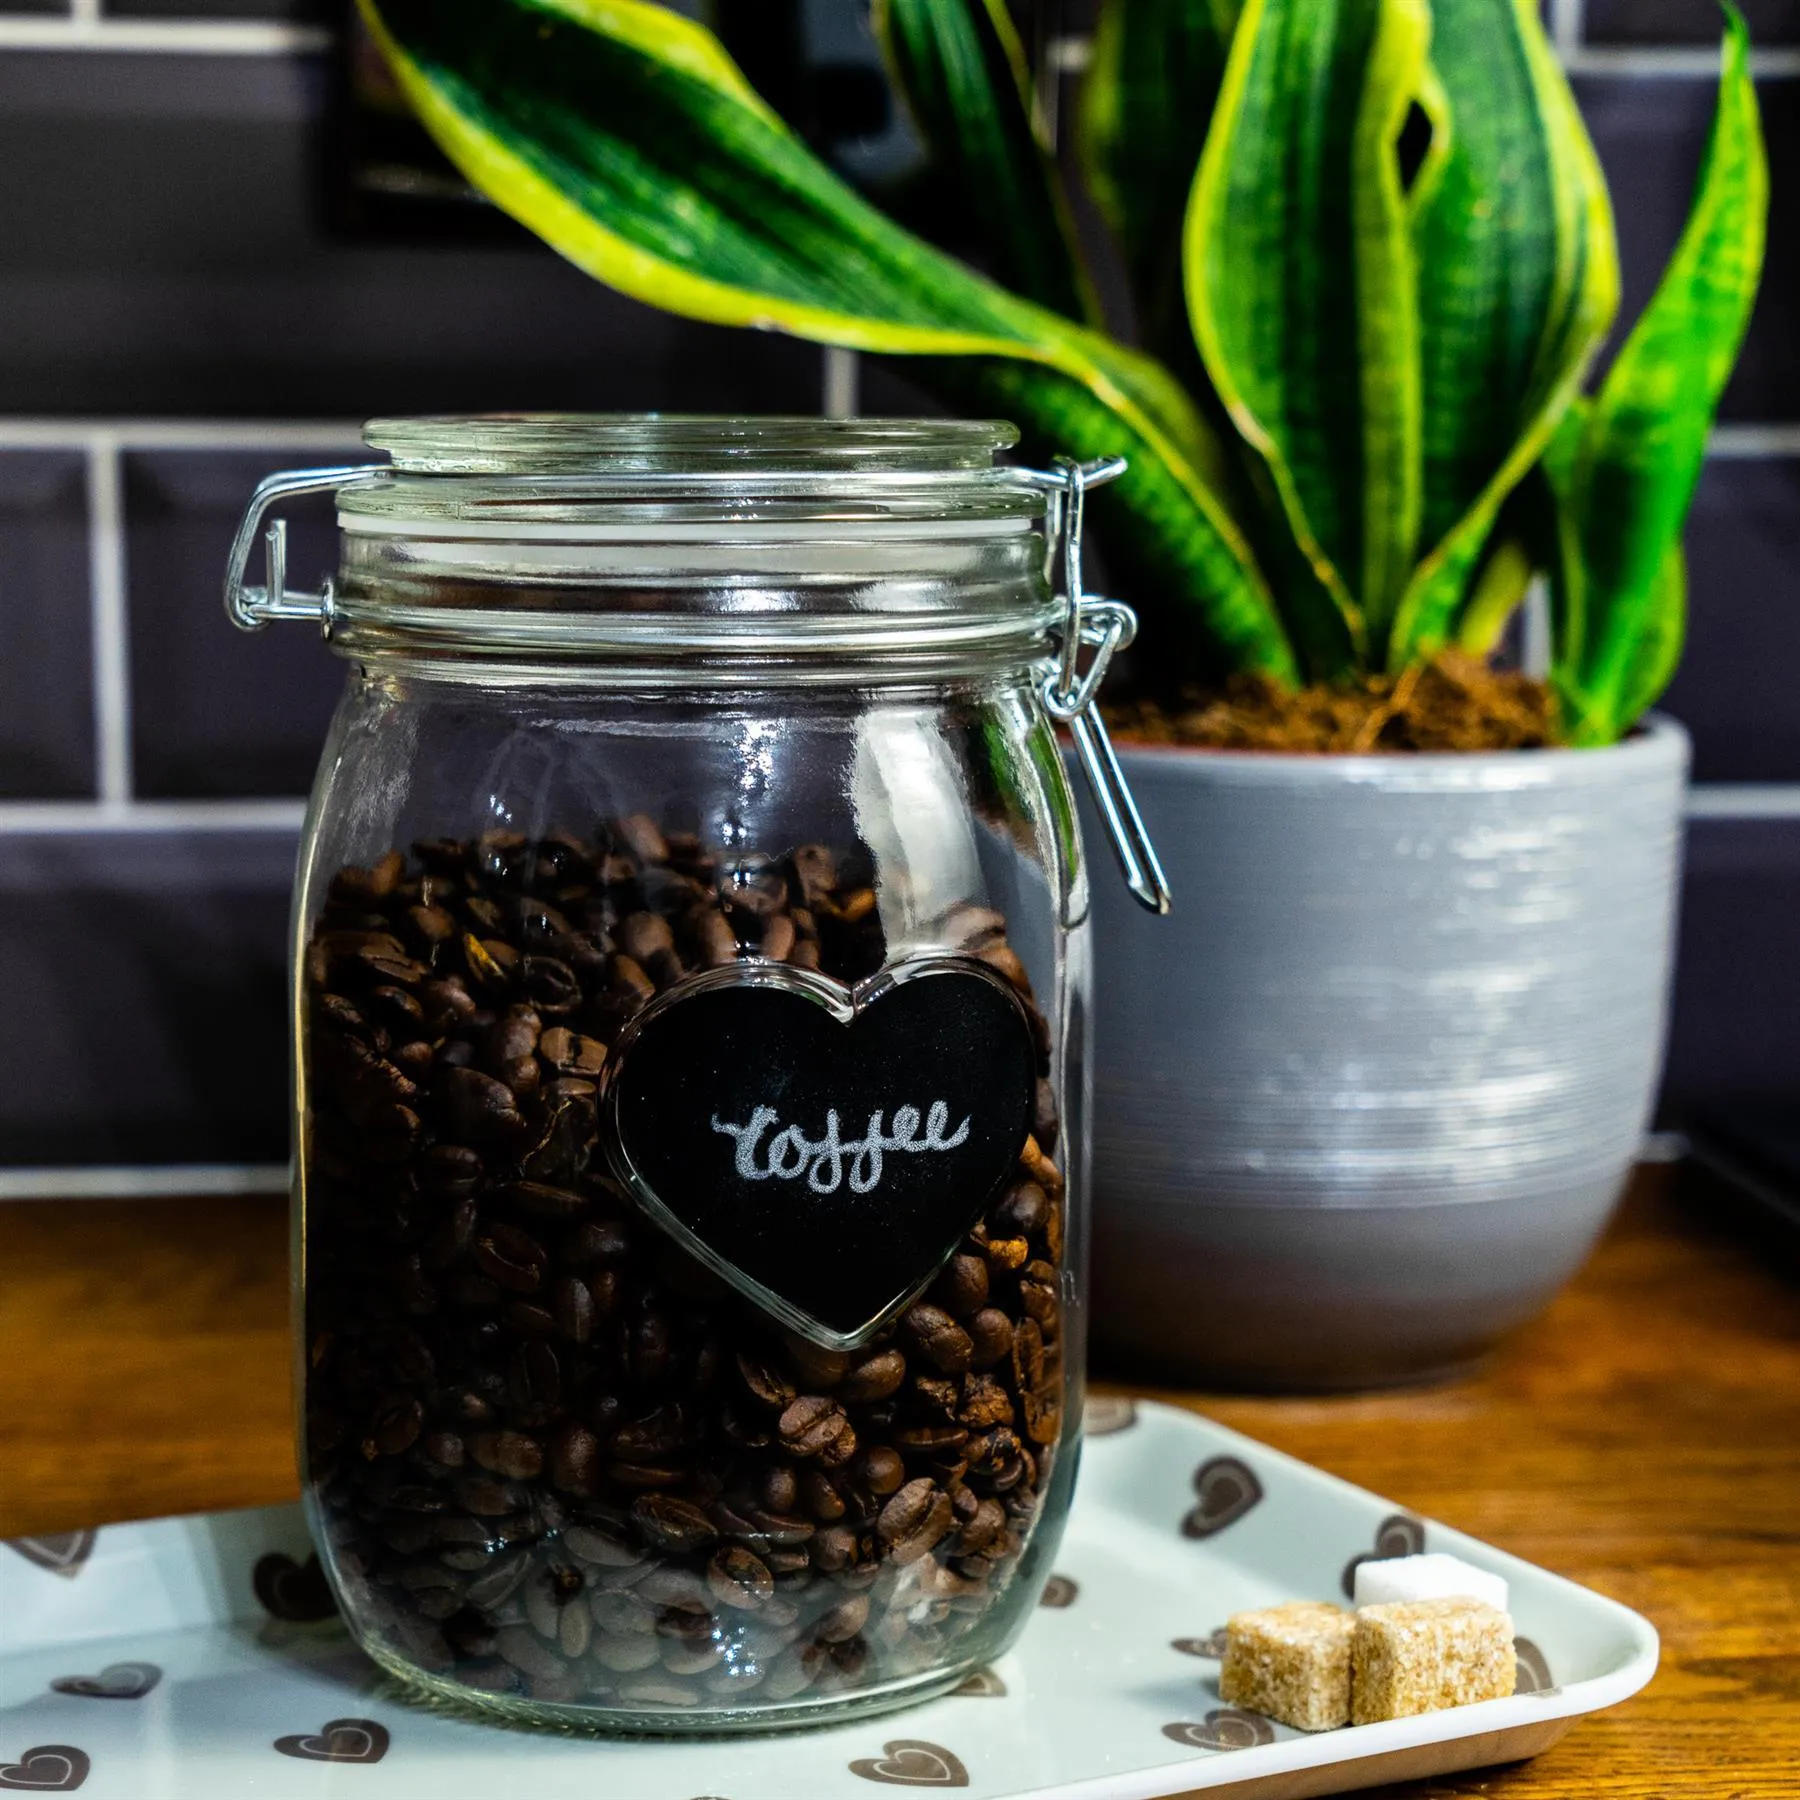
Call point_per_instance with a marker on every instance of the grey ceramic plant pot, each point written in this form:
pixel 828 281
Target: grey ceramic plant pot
pixel 1364 1100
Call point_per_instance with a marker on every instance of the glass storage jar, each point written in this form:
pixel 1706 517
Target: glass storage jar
pixel 690 1003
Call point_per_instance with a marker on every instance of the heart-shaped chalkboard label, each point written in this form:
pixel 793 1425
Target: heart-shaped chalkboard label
pixel 824 1148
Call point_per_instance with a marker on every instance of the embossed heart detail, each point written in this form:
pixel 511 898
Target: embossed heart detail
pixel 61 1552
pixel 1103 1414
pixel 1531 1670
pixel 1060 1590
pixel 343 1740
pixel 911 1762
pixel 1227 1488
pixel 47 1769
pixel 1399 1534
pixel 291 1590
pixel 1213 1645
pixel 820 1147
pixel 1224 1728
pixel 117 1681
pixel 984 1684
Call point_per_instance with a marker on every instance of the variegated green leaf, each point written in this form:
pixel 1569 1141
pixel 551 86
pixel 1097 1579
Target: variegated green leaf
pixel 1299 279
pixel 1526 333
pixel 623 135
pixel 1641 451
pixel 1144 108
pixel 962 71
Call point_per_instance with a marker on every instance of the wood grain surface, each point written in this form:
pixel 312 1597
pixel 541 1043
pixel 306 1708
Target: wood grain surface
pixel 1643 1438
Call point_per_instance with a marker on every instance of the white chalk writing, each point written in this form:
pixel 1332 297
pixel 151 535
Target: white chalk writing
pixel 789 1153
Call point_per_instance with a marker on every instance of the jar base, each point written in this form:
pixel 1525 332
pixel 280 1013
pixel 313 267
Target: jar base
pixel 802 1713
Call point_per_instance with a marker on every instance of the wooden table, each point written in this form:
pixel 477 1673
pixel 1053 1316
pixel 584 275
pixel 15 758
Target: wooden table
pixel 1643 1438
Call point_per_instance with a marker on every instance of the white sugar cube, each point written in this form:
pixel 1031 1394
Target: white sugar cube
pixel 1434 1577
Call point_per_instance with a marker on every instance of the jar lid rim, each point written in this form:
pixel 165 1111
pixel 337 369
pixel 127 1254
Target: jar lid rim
pixel 675 444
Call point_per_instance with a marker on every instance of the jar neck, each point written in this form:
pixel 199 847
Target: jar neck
pixel 730 603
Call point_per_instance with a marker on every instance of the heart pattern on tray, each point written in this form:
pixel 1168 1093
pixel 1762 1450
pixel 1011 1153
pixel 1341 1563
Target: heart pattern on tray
pixel 61 1552
pixel 1227 1488
pixel 911 1762
pixel 1531 1670
pixel 1224 1728
pixel 1103 1414
pixel 343 1740
pixel 46 1769
pixel 1399 1534
pixel 117 1681
pixel 984 1684
pixel 297 1592
pixel 1212 1645
pixel 1060 1591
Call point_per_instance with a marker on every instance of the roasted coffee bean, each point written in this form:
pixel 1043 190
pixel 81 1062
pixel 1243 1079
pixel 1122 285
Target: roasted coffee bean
pixel 558 1458
pixel 676 1526
pixel 874 1378
pixel 816 1426
pixel 508 1453
pixel 914 1520
pixel 739 1579
pixel 938 1338
pixel 512 1258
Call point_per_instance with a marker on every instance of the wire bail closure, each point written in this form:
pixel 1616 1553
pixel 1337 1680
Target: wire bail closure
pixel 1070 690
pixel 251 608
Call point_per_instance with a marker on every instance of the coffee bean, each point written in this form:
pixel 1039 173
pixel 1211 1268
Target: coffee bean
pixel 914 1520
pixel 875 1377
pixel 739 1579
pixel 508 1453
pixel 512 1258
pixel 990 1337
pixel 676 1526
pixel 816 1426
pixel 938 1338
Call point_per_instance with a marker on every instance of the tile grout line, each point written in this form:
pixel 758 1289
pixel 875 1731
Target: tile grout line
pixel 109 623
pixel 841 394
pixel 1566 24
pixel 88 28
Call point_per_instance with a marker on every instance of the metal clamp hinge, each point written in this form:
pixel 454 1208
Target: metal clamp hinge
pixel 251 608
pixel 1095 628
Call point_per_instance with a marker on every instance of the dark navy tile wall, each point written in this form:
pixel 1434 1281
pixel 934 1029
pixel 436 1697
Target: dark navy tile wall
pixel 1738 689
pixel 146 997
pixel 174 246
pixel 1650 131
pixel 46 691
pixel 1685 21
pixel 1737 985
pixel 167 250
pixel 217 711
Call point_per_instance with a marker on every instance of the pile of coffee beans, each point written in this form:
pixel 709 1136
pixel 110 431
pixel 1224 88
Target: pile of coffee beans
pixel 557 1458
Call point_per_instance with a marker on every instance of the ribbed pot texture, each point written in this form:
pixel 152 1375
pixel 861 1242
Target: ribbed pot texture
pixel 1365 1099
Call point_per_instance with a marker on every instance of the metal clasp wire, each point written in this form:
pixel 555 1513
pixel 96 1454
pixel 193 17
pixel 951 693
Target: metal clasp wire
pixel 251 608
pixel 1069 690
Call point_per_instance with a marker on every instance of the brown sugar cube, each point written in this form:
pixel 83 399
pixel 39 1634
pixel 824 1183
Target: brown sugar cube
pixel 1290 1663
pixel 1419 1656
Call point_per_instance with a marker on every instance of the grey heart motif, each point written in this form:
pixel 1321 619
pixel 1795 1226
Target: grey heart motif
pixel 1103 1414
pixel 911 1762
pixel 61 1552
pixel 1059 1591
pixel 1224 1728
pixel 984 1684
pixel 290 1590
pixel 46 1769
pixel 343 1740
pixel 1228 1488
pixel 1212 1645
pixel 117 1681
pixel 1531 1670
pixel 1399 1534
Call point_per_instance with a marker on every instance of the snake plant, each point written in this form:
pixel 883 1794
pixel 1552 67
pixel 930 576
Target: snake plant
pixel 1372 264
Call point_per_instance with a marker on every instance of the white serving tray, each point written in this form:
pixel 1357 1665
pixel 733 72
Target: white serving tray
pixel 184 1659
